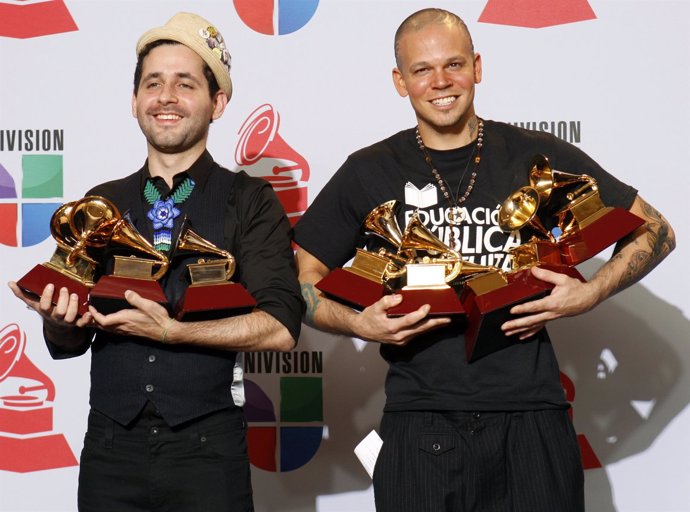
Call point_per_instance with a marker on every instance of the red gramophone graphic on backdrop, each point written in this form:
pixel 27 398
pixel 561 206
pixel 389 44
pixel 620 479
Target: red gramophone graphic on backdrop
pixel 263 149
pixel 33 18
pixel 27 440
pixel 589 458
pixel 536 13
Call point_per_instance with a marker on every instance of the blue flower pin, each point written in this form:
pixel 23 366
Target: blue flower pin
pixel 163 213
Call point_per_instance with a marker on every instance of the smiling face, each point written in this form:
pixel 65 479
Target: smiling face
pixel 438 69
pixel 172 103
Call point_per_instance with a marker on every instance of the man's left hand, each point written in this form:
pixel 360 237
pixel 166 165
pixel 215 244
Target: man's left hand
pixel 569 297
pixel 146 318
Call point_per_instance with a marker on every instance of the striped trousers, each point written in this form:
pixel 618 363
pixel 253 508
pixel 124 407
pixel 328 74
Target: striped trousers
pixel 526 461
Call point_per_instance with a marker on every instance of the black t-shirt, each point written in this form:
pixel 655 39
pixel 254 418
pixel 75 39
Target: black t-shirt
pixel 431 372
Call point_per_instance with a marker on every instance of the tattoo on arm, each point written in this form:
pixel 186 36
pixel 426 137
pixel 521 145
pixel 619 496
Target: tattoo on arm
pixel 661 243
pixel 311 298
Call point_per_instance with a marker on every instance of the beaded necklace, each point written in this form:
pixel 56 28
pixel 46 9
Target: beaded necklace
pixel 455 215
pixel 164 212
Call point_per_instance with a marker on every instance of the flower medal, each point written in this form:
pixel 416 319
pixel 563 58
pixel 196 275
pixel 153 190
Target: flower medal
pixel 164 212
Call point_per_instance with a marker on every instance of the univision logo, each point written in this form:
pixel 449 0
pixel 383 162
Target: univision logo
pixel 275 17
pixel 26 210
pixel 284 412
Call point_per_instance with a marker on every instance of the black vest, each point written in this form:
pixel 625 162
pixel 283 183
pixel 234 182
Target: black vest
pixel 183 382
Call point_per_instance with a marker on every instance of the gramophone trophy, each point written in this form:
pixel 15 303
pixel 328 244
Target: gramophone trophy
pixel 210 294
pixel 366 281
pixel 587 226
pixel 76 226
pixel 131 272
pixel 432 273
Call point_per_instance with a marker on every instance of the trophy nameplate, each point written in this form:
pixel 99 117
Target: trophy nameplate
pixel 129 273
pixel 426 284
pixel 76 226
pixel 360 285
pixel 210 294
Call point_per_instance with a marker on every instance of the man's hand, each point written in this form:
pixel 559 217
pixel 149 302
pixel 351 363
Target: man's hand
pixel 373 324
pixel 569 297
pixel 146 318
pixel 63 315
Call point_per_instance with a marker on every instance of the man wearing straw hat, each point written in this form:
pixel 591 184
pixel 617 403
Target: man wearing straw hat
pixel 166 429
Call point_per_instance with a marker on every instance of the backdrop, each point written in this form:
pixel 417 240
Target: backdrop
pixel 312 84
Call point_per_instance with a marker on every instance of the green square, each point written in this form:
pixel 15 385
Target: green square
pixel 301 399
pixel 42 176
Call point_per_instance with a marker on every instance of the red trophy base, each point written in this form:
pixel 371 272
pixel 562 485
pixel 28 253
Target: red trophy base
pixel 108 294
pixel 443 302
pixel 488 311
pixel 37 278
pixel 351 289
pixel 591 239
pixel 211 301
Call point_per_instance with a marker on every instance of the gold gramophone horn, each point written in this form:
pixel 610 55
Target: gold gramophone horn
pixel 417 237
pixel 520 210
pixel 192 242
pixel 544 179
pixel 59 226
pixel 381 221
pixel 90 220
pixel 124 234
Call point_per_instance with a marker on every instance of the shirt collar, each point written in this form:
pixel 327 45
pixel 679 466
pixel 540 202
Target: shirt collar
pixel 198 171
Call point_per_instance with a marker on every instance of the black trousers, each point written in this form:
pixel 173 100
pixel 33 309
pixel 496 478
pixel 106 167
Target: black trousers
pixel 200 467
pixel 479 462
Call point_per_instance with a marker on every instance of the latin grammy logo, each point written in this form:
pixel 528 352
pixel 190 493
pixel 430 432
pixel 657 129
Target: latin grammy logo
pixel 27 440
pixel 271 158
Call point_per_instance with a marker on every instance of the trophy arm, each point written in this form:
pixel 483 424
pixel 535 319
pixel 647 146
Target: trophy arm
pixel 164 264
pixel 231 264
pixel 589 184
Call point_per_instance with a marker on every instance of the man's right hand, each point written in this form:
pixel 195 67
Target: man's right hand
pixel 60 316
pixel 374 324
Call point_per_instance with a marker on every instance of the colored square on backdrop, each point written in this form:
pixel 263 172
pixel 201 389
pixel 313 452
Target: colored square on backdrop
pixel 42 176
pixel 7 187
pixel 8 226
pixel 301 399
pixel 261 445
pixel 36 222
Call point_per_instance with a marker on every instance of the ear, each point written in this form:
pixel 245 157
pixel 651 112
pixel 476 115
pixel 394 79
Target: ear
pixel 134 105
pixel 477 68
pixel 220 101
pixel 399 82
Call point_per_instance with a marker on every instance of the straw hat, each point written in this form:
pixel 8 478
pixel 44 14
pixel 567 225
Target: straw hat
pixel 200 36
